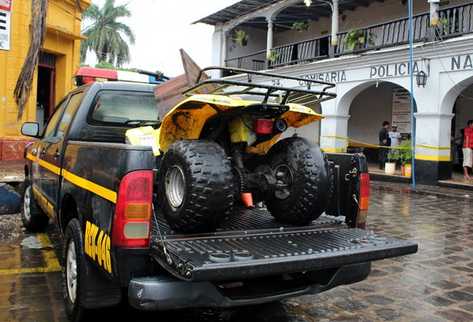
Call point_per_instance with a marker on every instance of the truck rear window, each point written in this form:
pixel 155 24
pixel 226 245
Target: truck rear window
pixel 124 108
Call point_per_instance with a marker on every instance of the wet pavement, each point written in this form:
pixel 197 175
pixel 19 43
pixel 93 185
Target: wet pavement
pixel 436 284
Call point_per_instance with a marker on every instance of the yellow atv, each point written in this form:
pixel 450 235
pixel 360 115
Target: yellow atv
pixel 221 151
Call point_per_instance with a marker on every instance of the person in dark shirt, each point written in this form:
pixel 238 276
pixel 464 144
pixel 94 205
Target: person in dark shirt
pixel 384 140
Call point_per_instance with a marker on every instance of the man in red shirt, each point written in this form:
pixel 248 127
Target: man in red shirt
pixel 467 149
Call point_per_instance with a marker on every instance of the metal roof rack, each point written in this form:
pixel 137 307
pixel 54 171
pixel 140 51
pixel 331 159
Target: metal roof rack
pixel 218 86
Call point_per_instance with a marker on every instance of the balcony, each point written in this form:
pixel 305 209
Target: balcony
pixel 454 21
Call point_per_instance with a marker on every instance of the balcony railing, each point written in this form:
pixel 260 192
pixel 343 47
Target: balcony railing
pixel 454 21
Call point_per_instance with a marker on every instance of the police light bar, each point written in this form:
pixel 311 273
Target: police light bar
pixel 87 75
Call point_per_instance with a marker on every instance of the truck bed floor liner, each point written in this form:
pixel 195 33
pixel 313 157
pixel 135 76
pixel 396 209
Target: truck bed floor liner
pixel 252 244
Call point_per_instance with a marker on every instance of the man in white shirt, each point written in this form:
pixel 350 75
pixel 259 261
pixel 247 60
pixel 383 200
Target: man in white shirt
pixel 395 136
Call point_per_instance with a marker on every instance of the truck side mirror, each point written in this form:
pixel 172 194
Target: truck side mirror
pixel 30 129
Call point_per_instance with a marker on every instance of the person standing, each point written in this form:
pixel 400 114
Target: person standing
pixel 394 136
pixel 467 149
pixel 384 141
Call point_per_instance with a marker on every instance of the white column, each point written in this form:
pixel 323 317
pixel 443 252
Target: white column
pixel 334 132
pixel 335 19
pixel 433 136
pixel 224 48
pixel 269 40
pixel 217 46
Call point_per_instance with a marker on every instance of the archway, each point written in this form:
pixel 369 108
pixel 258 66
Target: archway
pixel 463 112
pixel 369 105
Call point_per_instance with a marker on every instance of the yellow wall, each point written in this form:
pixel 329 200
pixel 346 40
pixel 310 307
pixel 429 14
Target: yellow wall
pixel 62 39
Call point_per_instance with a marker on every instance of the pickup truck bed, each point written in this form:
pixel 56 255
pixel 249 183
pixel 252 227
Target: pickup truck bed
pixel 252 244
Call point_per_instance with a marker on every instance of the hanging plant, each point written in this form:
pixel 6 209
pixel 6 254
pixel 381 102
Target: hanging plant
pixel 25 79
pixel 240 37
pixel 273 56
pixel 300 26
pixel 358 39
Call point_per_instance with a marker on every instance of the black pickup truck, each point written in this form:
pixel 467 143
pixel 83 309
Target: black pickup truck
pixel 83 175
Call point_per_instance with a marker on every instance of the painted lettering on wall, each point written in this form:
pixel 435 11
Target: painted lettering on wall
pixel 331 77
pixel 97 246
pixel 461 62
pixel 397 69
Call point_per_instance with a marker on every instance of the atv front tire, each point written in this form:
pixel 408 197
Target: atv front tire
pixel 303 169
pixel 196 186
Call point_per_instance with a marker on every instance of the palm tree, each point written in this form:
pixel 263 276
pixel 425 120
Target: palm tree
pixel 105 35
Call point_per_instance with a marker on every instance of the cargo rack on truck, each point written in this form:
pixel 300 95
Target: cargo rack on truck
pixel 249 86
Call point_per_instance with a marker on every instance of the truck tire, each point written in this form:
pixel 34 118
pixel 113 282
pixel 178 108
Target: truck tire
pixel 74 271
pixel 195 186
pixel 303 168
pixel 34 219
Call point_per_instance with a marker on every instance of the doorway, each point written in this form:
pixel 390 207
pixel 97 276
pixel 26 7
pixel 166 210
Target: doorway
pixel 45 97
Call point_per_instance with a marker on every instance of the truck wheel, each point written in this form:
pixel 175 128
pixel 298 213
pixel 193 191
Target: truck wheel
pixel 196 188
pixel 34 219
pixel 73 272
pixel 301 167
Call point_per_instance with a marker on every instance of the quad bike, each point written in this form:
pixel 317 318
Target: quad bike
pixel 220 151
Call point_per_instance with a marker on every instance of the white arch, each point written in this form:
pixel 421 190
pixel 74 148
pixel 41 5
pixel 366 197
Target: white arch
pixel 345 98
pixel 459 82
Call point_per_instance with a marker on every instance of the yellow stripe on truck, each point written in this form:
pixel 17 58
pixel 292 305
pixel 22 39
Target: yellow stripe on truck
pixel 51 167
pixel 32 157
pixel 99 190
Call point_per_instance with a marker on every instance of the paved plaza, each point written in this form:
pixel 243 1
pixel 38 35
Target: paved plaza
pixel 436 284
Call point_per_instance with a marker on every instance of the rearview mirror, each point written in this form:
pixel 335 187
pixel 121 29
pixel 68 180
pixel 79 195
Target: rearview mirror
pixel 30 129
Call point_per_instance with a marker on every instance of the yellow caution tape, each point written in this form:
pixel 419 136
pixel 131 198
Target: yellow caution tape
pixel 353 142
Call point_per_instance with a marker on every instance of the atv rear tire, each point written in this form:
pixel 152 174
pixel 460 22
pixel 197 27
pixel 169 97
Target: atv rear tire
pixel 304 169
pixel 196 186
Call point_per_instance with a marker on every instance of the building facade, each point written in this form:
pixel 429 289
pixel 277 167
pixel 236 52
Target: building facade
pixel 59 59
pixel 362 46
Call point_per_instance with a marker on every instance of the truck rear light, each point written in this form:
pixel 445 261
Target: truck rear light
pixel 364 191
pixel 133 210
pixel 263 126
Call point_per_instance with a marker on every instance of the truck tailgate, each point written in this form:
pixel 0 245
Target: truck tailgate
pixel 253 245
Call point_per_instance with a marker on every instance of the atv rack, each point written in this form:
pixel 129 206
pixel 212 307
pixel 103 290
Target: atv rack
pixel 219 86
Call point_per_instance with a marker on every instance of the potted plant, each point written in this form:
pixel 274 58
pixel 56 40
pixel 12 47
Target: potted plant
pixel 406 158
pixel 358 39
pixel 273 56
pixel 240 37
pixel 300 26
pixel 443 26
pixel 390 165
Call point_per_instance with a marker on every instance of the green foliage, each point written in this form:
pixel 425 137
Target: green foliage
pixel 444 22
pixel 405 151
pixel 394 155
pixel 106 35
pixel 273 56
pixel 402 153
pixel 104 64
pixel 359 38
pixel 300 26
pixel 240 37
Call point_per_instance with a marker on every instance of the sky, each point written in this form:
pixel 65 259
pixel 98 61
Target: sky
pixel 162 27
